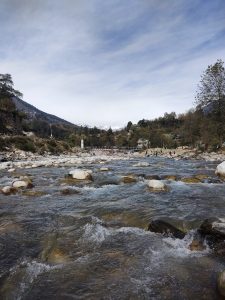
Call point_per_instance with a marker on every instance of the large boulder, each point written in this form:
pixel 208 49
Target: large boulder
pixel 165 228
pixel 220 169
pixel 156 185
pixel 81 174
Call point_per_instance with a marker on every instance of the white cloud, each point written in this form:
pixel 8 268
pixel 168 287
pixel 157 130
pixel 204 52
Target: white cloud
pixel 106 63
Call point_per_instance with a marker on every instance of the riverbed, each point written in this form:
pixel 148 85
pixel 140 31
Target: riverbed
pixel 88 240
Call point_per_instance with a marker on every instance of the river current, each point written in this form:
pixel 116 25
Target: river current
pixel 92 242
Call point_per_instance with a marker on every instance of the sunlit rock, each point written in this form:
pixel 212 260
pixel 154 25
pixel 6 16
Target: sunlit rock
pixel 220 169
pixel 22 184
pixel 8 190
pixel 104 169
pixel 81 174
pixel 156 185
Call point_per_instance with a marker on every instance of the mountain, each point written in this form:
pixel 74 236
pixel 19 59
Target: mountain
pixel 33 113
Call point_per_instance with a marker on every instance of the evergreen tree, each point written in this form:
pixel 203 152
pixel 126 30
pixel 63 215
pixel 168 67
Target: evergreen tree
pixel 6 87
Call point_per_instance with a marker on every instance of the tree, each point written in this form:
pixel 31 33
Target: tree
pixel 6 87
pixel 211 95
pixel 129 125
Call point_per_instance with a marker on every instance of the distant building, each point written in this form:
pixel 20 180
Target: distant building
pixel 142 144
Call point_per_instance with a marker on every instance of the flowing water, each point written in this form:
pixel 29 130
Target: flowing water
pixel 93 244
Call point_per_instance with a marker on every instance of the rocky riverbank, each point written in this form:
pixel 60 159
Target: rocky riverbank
pixel 185 153
pixel 21 159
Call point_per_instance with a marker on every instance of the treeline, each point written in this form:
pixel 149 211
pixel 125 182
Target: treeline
pixel 202 127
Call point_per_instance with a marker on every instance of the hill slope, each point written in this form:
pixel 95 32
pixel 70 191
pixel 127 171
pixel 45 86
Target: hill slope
pixel 35 113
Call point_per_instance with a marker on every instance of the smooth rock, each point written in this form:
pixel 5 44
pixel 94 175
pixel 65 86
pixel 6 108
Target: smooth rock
pixel 104 169
pixel 8 190
pixel 81 174
pixel 22 184
pixel 156 185
pixel 220 169
pixel 164 227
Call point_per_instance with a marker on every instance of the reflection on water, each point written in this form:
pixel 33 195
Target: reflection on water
pixel 93 244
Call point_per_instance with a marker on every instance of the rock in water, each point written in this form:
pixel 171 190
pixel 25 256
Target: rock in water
pixel 129 179
pixel 213 227
pixel 220 169
pixel 161 226
pixel 221 283
pixel 156 185
pixel 8 190
pixel 22 184
pixel 104 169
pixel 81 174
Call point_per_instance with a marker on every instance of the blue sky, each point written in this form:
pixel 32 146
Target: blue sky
pixel 104 63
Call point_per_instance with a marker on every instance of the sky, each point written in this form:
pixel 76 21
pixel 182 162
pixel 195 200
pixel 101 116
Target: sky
pixel 104 63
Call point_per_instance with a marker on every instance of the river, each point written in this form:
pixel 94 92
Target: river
pixel 92 243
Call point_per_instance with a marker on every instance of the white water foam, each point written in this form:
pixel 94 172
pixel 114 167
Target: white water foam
pixel 95 232
pixel 179 247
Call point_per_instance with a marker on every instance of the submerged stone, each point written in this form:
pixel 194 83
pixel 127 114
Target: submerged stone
pixel 171 177
pixel 33 193
pixel 69 191
pixel 190 180
pixel 129 179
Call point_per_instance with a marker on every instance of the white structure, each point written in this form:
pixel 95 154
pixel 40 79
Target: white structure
pixel 142 143
pixel 82 144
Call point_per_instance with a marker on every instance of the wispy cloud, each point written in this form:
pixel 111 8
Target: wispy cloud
pixel 108 62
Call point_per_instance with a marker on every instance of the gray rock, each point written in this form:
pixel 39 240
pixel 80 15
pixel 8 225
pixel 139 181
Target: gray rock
pixel 165 228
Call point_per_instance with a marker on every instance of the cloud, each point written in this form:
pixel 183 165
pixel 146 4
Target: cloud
pixel 108 62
